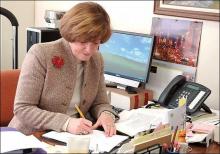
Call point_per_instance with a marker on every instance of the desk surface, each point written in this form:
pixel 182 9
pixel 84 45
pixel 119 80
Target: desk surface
pixel 201 149
pixel 196 148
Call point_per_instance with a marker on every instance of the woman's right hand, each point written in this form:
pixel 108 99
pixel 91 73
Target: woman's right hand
pixel 79 126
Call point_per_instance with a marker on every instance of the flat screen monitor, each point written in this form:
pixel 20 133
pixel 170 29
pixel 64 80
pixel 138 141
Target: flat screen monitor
pixel 127 57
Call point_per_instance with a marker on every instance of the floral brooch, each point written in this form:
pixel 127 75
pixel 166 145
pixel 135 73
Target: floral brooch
pixel 57 61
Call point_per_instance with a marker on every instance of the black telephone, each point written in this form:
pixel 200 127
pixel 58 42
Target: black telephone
pixel 194 93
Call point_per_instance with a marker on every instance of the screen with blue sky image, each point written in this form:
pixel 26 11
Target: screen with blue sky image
pixel 128 55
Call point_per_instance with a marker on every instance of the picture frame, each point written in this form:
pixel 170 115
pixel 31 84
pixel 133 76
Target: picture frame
pixel 162 7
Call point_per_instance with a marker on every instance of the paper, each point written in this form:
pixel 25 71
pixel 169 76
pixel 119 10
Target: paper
pixel 14 140
pixel 105 144
pixel 196 138
pixel 137 120
pixel 55 149
pixel 202 128
pixel 126 148
pixel 176 117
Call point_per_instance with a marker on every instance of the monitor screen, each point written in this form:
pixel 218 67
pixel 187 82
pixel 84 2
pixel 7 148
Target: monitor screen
pixel 127 57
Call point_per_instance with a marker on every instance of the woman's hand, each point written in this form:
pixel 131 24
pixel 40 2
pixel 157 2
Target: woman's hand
pixel 79 126
pixel 107 122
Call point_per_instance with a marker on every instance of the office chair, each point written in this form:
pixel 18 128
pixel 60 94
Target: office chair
pixel 9 79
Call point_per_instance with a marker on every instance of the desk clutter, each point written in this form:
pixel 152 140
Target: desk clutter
pixel 138 120
pixel 142 130
pixel 143 142
pixel 203 128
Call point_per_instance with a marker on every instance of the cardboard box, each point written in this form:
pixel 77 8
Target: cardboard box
pixel 121 99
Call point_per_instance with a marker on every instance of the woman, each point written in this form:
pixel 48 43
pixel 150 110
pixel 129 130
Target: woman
pixel 57 75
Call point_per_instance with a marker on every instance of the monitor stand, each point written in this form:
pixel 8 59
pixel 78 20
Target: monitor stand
pixel 131 90
pixel 111 84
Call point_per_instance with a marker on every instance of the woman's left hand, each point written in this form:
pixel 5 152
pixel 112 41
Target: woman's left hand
pixel 107 122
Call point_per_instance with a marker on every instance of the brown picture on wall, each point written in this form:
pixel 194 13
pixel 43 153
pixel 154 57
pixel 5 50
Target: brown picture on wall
pixel 177 41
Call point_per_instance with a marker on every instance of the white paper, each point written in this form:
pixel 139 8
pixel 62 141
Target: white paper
pixel 137 120
pixel 196 138
pixel 14 140
pixel 105 144
pixel 176 117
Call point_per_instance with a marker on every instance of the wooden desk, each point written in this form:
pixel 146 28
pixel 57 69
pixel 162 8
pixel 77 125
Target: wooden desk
pixel 196 148
pixel 201 149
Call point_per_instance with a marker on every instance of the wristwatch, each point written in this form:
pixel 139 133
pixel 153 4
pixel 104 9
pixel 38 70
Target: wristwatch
pixel 109 113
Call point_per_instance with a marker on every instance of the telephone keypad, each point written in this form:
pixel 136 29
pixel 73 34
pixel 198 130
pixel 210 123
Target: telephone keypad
pixel 187 93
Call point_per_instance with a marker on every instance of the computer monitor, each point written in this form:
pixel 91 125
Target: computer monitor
pixel 127 57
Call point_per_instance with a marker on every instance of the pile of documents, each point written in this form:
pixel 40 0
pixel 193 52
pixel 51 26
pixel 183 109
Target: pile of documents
pixel 138 120
pixel 204 127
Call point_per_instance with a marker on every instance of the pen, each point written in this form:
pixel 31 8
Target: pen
pixel 78 110
pixel 173 139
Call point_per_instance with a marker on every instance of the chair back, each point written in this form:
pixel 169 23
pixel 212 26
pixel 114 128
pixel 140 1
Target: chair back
pixel 9 79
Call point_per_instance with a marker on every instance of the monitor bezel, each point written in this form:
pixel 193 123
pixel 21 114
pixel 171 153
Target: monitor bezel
pixel 128 80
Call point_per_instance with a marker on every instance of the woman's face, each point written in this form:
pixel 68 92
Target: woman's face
pixel 84 50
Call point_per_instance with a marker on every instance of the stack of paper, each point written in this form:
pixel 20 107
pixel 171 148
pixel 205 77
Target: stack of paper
pixel 105 144
pixel 137 120
pixel 14 140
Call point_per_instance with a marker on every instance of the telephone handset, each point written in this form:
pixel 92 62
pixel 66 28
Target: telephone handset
pixel 194 93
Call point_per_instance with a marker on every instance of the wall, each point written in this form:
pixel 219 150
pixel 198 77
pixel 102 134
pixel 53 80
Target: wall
pixel 25 19
pixel 137 16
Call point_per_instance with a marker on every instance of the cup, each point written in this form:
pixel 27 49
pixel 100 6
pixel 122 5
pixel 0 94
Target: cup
pixel 78 144
pixel 172 152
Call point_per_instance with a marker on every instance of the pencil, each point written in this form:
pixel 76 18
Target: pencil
pixel 78 110
pixel 173 139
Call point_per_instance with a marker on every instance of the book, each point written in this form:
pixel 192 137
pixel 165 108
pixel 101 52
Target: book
pixel 143 119
pixel 138 120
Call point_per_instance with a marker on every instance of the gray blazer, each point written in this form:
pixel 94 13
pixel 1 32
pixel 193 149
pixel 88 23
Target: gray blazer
pixel 44 91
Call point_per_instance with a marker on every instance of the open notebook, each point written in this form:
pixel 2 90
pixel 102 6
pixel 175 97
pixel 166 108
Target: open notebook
pixel 105 144
pixel 138 120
